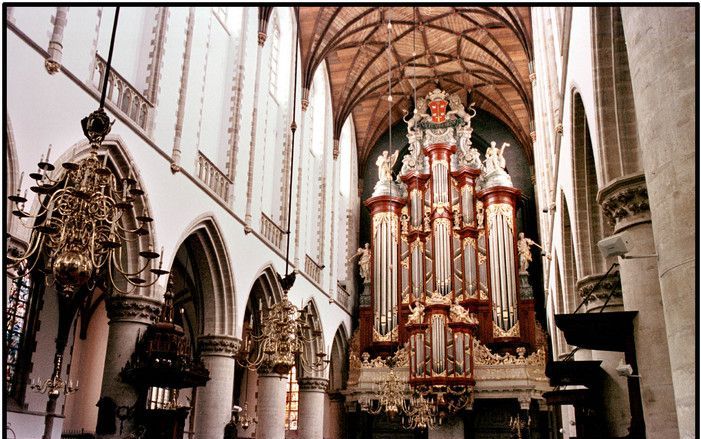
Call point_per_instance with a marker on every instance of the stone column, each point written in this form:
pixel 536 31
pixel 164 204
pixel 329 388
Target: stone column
pixel 55 50
pixel 270 411
pixel 310 424
pixel 213 407
pixel 614 388
pixel 661 55
pixel 129 316
pixel 625 202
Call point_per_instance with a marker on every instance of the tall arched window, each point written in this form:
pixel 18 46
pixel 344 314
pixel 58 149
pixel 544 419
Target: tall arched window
pixel 276 117
pixel 16 314
pixel 315 138
pixel 346 164
pixel 292 401
pixel 215 45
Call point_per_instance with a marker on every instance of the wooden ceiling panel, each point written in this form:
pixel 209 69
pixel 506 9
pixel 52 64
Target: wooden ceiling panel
pixel 487 49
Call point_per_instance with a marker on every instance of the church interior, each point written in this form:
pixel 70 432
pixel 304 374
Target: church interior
pixel 336 222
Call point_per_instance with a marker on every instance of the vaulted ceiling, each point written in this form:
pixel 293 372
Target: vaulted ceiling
pixel 485 50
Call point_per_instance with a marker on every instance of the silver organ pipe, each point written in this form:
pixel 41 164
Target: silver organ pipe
pixel 501 266
pixel 438 342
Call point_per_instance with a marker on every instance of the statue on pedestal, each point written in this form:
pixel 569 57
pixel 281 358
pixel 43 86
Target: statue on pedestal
pixel 384 164
pixel 364 262
pixel 494 160
pixel 523 246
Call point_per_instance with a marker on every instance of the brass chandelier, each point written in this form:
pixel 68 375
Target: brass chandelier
pixel 78 226
pixel 281 341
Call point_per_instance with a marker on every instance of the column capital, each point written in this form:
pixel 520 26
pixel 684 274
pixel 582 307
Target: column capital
pixel 218 345
pixel 132 308
pixel 612 282
pixel 624 201
pixel 262 36
pixel 312 384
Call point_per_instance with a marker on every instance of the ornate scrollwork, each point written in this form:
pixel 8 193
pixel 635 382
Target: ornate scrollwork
pixel 437 298
pixel 483 356
pixel 502 209
pixel 625 198
pixel 393 335
pixel 609 286
pixel 462 315
pixel 218 345
pixel 514 331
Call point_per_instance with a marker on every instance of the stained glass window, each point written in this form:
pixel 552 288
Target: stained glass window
pixel 17 305
pixel 292 401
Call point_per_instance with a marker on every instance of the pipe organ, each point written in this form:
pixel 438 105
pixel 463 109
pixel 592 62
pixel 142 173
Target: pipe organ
pixel 444 256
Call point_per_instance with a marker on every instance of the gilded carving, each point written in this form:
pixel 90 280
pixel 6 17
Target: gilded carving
pixel 514 331
pixel 502 209
pixel 437 298
pixel 462 315
pixel 483 356
pixel 390 336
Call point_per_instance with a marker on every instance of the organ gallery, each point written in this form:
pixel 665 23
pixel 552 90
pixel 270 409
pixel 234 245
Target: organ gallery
pixel 321 221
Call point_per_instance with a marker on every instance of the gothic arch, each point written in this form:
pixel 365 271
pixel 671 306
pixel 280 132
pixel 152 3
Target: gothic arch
pixel 203 253
pixel 314 331
pixel 338 356
pixel 613 95
pixel 568 259
pixel 589 224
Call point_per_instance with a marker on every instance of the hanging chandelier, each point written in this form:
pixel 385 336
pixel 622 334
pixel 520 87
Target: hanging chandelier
pixel 421 414
pixel 390 396
pixel 78 227
pixel 279 344
pixel 281 341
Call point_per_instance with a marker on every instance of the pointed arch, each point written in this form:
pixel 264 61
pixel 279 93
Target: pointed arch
pixel 314 332
pixel 615 109
pixel 338 356
pixel 204 257
pixel 589 223
pixel 568 259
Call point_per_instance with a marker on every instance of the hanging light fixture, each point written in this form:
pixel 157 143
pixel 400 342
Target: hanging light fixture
pixel 77 232
pixel 78 227
pixel 284 332
pixel 390 396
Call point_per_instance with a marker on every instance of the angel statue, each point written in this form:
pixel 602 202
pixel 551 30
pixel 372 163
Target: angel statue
pixel 420 114
pixel 494 158
pixel 363 262
pixel 384 164
pixel 417 313
pixel 523 246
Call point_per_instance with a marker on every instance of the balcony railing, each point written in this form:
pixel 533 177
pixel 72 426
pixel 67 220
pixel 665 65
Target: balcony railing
pixel 213 177
pixel 342 296
pixel 271 231
pixel 313 269
pixel 122 94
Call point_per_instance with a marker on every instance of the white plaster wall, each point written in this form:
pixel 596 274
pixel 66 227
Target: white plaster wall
pixel 47 109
